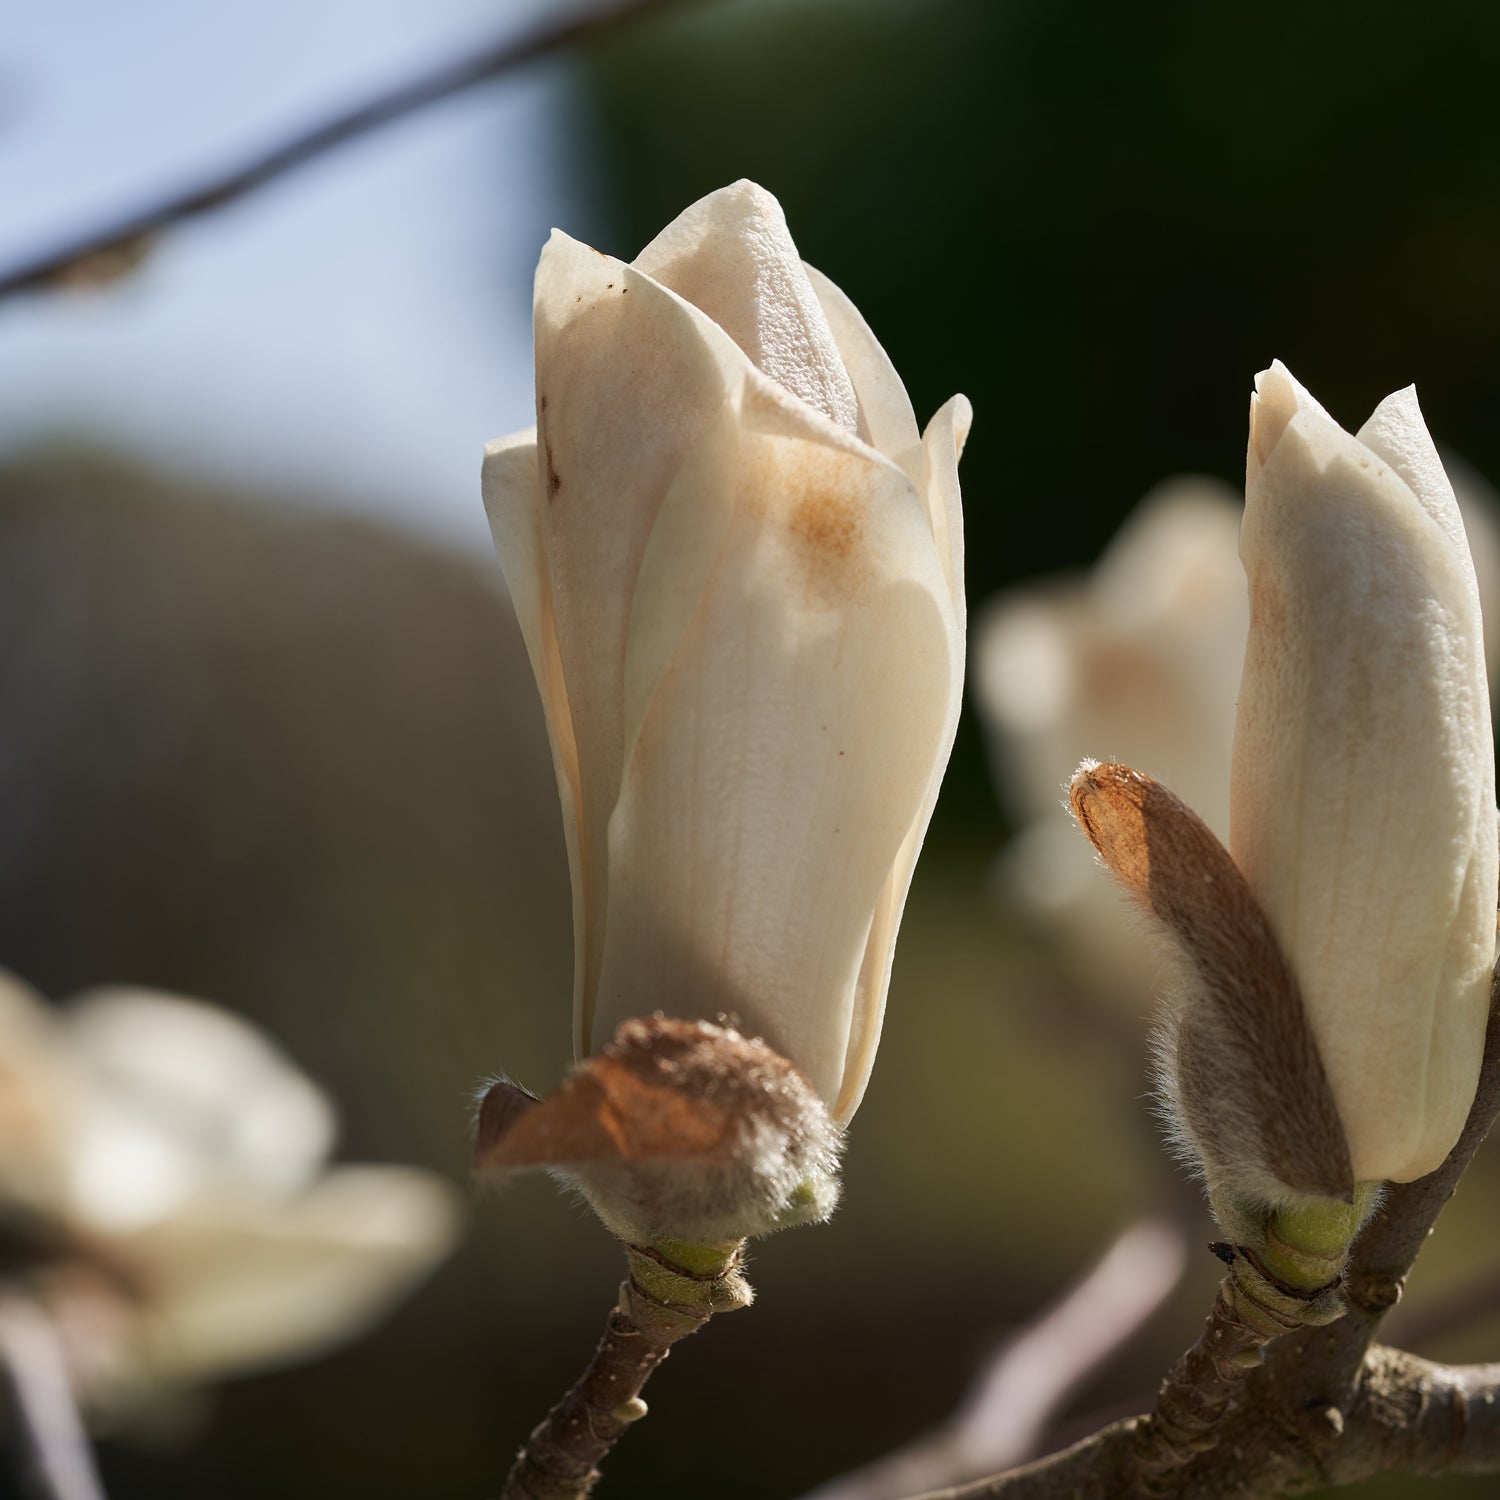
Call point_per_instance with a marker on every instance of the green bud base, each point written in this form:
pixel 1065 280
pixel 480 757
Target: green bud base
pixel 1307 1243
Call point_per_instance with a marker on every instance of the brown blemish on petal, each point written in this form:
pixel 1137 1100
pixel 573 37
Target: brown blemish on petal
pixel 826 521
pixel 829 523
pixel 554 480
pixel 815 496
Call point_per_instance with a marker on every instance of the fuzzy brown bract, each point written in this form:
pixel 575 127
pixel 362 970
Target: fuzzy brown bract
pixel 1239 1069
pixel 675 1130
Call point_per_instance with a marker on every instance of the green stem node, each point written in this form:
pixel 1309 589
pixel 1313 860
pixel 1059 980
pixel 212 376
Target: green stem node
pixel 1307 1243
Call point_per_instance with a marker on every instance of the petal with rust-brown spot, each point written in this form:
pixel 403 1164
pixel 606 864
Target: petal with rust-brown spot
pixel 827 521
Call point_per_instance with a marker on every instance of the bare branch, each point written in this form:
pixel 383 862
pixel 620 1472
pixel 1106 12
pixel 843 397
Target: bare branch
pixel 1005 1415
pixel 659 1304
pixel 1250 1310
pixel 1409 1416
pixel 102 254
pixel 61 1462
pixel 1328 1406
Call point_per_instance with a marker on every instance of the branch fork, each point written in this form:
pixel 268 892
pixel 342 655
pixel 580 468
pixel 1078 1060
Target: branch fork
pixel 1252 1307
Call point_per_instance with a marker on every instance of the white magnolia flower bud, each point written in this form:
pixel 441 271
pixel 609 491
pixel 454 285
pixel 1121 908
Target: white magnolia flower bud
pixel 738 567
pixel 1330 1026
pixel 1363 795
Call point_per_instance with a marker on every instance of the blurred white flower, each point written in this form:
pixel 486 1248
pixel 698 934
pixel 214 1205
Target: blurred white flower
pixel 164 1192
pixel 738 566
pixel 1136 662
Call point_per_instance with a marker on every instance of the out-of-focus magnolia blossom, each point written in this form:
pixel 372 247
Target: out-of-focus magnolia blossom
pixel 1138 660
pixel 164 1194
pixel 737 563
pixel 1332 1024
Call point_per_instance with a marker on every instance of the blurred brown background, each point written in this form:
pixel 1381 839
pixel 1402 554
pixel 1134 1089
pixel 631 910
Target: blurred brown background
pixel 294 763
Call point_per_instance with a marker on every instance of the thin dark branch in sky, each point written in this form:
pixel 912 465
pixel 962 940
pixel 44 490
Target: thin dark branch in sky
pixel 112 249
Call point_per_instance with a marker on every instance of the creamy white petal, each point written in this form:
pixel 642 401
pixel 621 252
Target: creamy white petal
pixel 867 1015
pixel 628 378
pixel 943 446
pixel 254 1285
pixel 680 561
pixel 1397 433
pixel 731 255
pixel 180 1100
pixel 886 419
pixel 1363 807
pixel 787 750
pixel 1479 505
pixel 1277 398
pixel 512 500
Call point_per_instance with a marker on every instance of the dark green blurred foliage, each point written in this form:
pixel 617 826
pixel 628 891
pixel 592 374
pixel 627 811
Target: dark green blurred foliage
pixel 1098 221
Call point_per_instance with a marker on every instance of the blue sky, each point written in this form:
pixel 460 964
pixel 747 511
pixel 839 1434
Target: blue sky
pixel 351 335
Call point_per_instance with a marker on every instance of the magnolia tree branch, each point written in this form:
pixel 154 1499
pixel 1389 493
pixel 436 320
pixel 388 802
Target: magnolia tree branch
pixel 1408 1415
pixel 1248 1313
pixel 659 1304
pixel 1005 1416
pixel 60 1462
pixel 1329 1406
pixel 103 253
